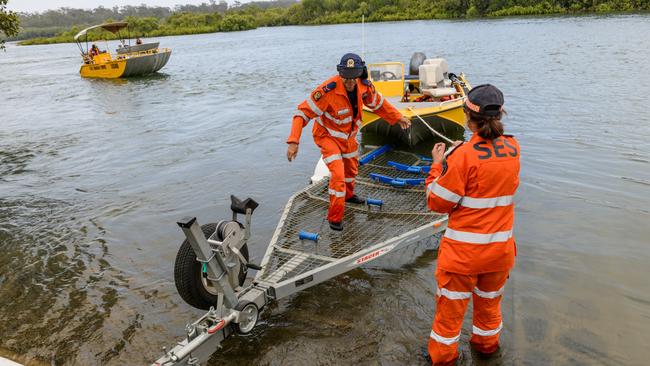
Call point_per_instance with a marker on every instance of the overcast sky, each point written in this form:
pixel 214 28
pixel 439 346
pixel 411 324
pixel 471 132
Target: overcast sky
pixel 40 5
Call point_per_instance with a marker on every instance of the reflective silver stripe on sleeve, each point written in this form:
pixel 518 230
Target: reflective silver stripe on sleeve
pixel 314 107
pixel 453 295
pixel 348 180
pixel 343 121
pixel 476 238
pixel 332 158
pixel 489 294
pixel 374 101
pixel 486 333
pixel 343 111
pixel 444 340
pixel 336 134
pixel 443 192
pixel 471 202
pixel 336 193
pixel 351 155
pixel 381 102
pixel 300 114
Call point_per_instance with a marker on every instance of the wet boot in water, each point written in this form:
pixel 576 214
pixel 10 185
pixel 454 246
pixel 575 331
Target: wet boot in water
pixel 424 351
pixel 496 353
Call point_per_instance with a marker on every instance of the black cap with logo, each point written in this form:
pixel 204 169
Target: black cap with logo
pixel 485 100
pixel 351 66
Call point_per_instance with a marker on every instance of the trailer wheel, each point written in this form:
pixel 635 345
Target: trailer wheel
pixel 247 318
pixel 188 275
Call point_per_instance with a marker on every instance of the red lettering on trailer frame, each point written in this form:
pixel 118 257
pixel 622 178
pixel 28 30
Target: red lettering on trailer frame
pixel 373 255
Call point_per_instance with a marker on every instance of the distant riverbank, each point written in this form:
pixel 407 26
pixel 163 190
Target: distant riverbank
pixel 37 29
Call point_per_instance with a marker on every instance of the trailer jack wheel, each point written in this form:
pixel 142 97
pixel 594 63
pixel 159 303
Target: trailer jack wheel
pixel 188 274
pixel 248 314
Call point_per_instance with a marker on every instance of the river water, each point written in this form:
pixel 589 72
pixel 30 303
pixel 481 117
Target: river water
pixel 94 174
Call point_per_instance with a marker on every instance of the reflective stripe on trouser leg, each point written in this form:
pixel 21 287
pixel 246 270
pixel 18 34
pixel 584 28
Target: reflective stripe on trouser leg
pixel 336 191
pixel 452 296
pixel 332 156
pixel 351 168
pixel 486 319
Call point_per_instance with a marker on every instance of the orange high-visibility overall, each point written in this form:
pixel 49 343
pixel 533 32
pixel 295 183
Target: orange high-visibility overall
pixel 335 133
pixel 477 250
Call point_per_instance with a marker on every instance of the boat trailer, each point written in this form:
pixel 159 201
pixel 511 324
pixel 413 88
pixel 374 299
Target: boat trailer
pixel 212 263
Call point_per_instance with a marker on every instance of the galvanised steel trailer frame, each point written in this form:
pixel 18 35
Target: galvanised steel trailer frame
pixel 295 259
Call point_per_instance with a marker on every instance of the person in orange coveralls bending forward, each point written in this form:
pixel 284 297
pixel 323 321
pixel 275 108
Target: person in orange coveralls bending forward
pixel 478 249
pixel 336 106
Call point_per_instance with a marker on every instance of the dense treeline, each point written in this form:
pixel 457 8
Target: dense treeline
pixel 59 22
pixel 68 17
pixel 175 24
pixel 343 11
pixel 215 17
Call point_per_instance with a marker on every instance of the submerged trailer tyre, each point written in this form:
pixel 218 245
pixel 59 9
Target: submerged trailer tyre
pixel 188 275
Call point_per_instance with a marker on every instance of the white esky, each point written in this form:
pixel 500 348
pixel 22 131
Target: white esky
pixel 31 6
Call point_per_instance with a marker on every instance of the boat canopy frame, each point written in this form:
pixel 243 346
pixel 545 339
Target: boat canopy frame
pixel 113 27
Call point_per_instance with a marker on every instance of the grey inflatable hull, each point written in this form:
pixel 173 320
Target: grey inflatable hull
pixel 147 64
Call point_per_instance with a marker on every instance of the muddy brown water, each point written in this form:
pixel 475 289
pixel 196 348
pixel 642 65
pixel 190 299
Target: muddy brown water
pixel 94 174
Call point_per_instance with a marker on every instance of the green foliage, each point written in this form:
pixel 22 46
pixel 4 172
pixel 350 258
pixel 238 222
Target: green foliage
pixel 142 25
pixel 29 33
pixel 539 9
pixel 9 23
pixel 217 17
pixel 237 22
pixel 473 12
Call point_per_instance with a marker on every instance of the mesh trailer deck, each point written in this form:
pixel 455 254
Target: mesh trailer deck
pixel 303 251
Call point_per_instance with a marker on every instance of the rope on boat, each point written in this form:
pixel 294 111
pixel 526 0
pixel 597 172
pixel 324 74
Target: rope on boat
pixel 410 108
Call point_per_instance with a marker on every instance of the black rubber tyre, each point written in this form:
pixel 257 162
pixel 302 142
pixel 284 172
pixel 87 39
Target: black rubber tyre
pixel 187 273
pixel 416 60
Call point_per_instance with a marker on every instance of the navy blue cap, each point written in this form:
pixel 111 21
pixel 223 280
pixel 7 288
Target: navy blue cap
pixel 485 100
pixel 351 66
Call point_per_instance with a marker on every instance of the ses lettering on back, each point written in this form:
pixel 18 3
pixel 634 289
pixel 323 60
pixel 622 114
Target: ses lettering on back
pixel 501 147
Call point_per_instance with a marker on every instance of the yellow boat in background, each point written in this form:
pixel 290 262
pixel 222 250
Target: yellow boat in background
pixel 128 60
pixel 430 91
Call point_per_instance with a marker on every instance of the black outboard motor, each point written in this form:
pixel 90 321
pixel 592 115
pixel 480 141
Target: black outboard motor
pixel 416 60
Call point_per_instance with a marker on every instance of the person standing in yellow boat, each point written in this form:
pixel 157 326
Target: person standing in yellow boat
pixel 94 50
pixel 336 106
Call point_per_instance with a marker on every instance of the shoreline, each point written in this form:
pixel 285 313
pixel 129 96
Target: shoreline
pixel 52 40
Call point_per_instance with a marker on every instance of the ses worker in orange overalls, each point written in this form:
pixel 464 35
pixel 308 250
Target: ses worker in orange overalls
pixel 336 105
pixel 477 250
